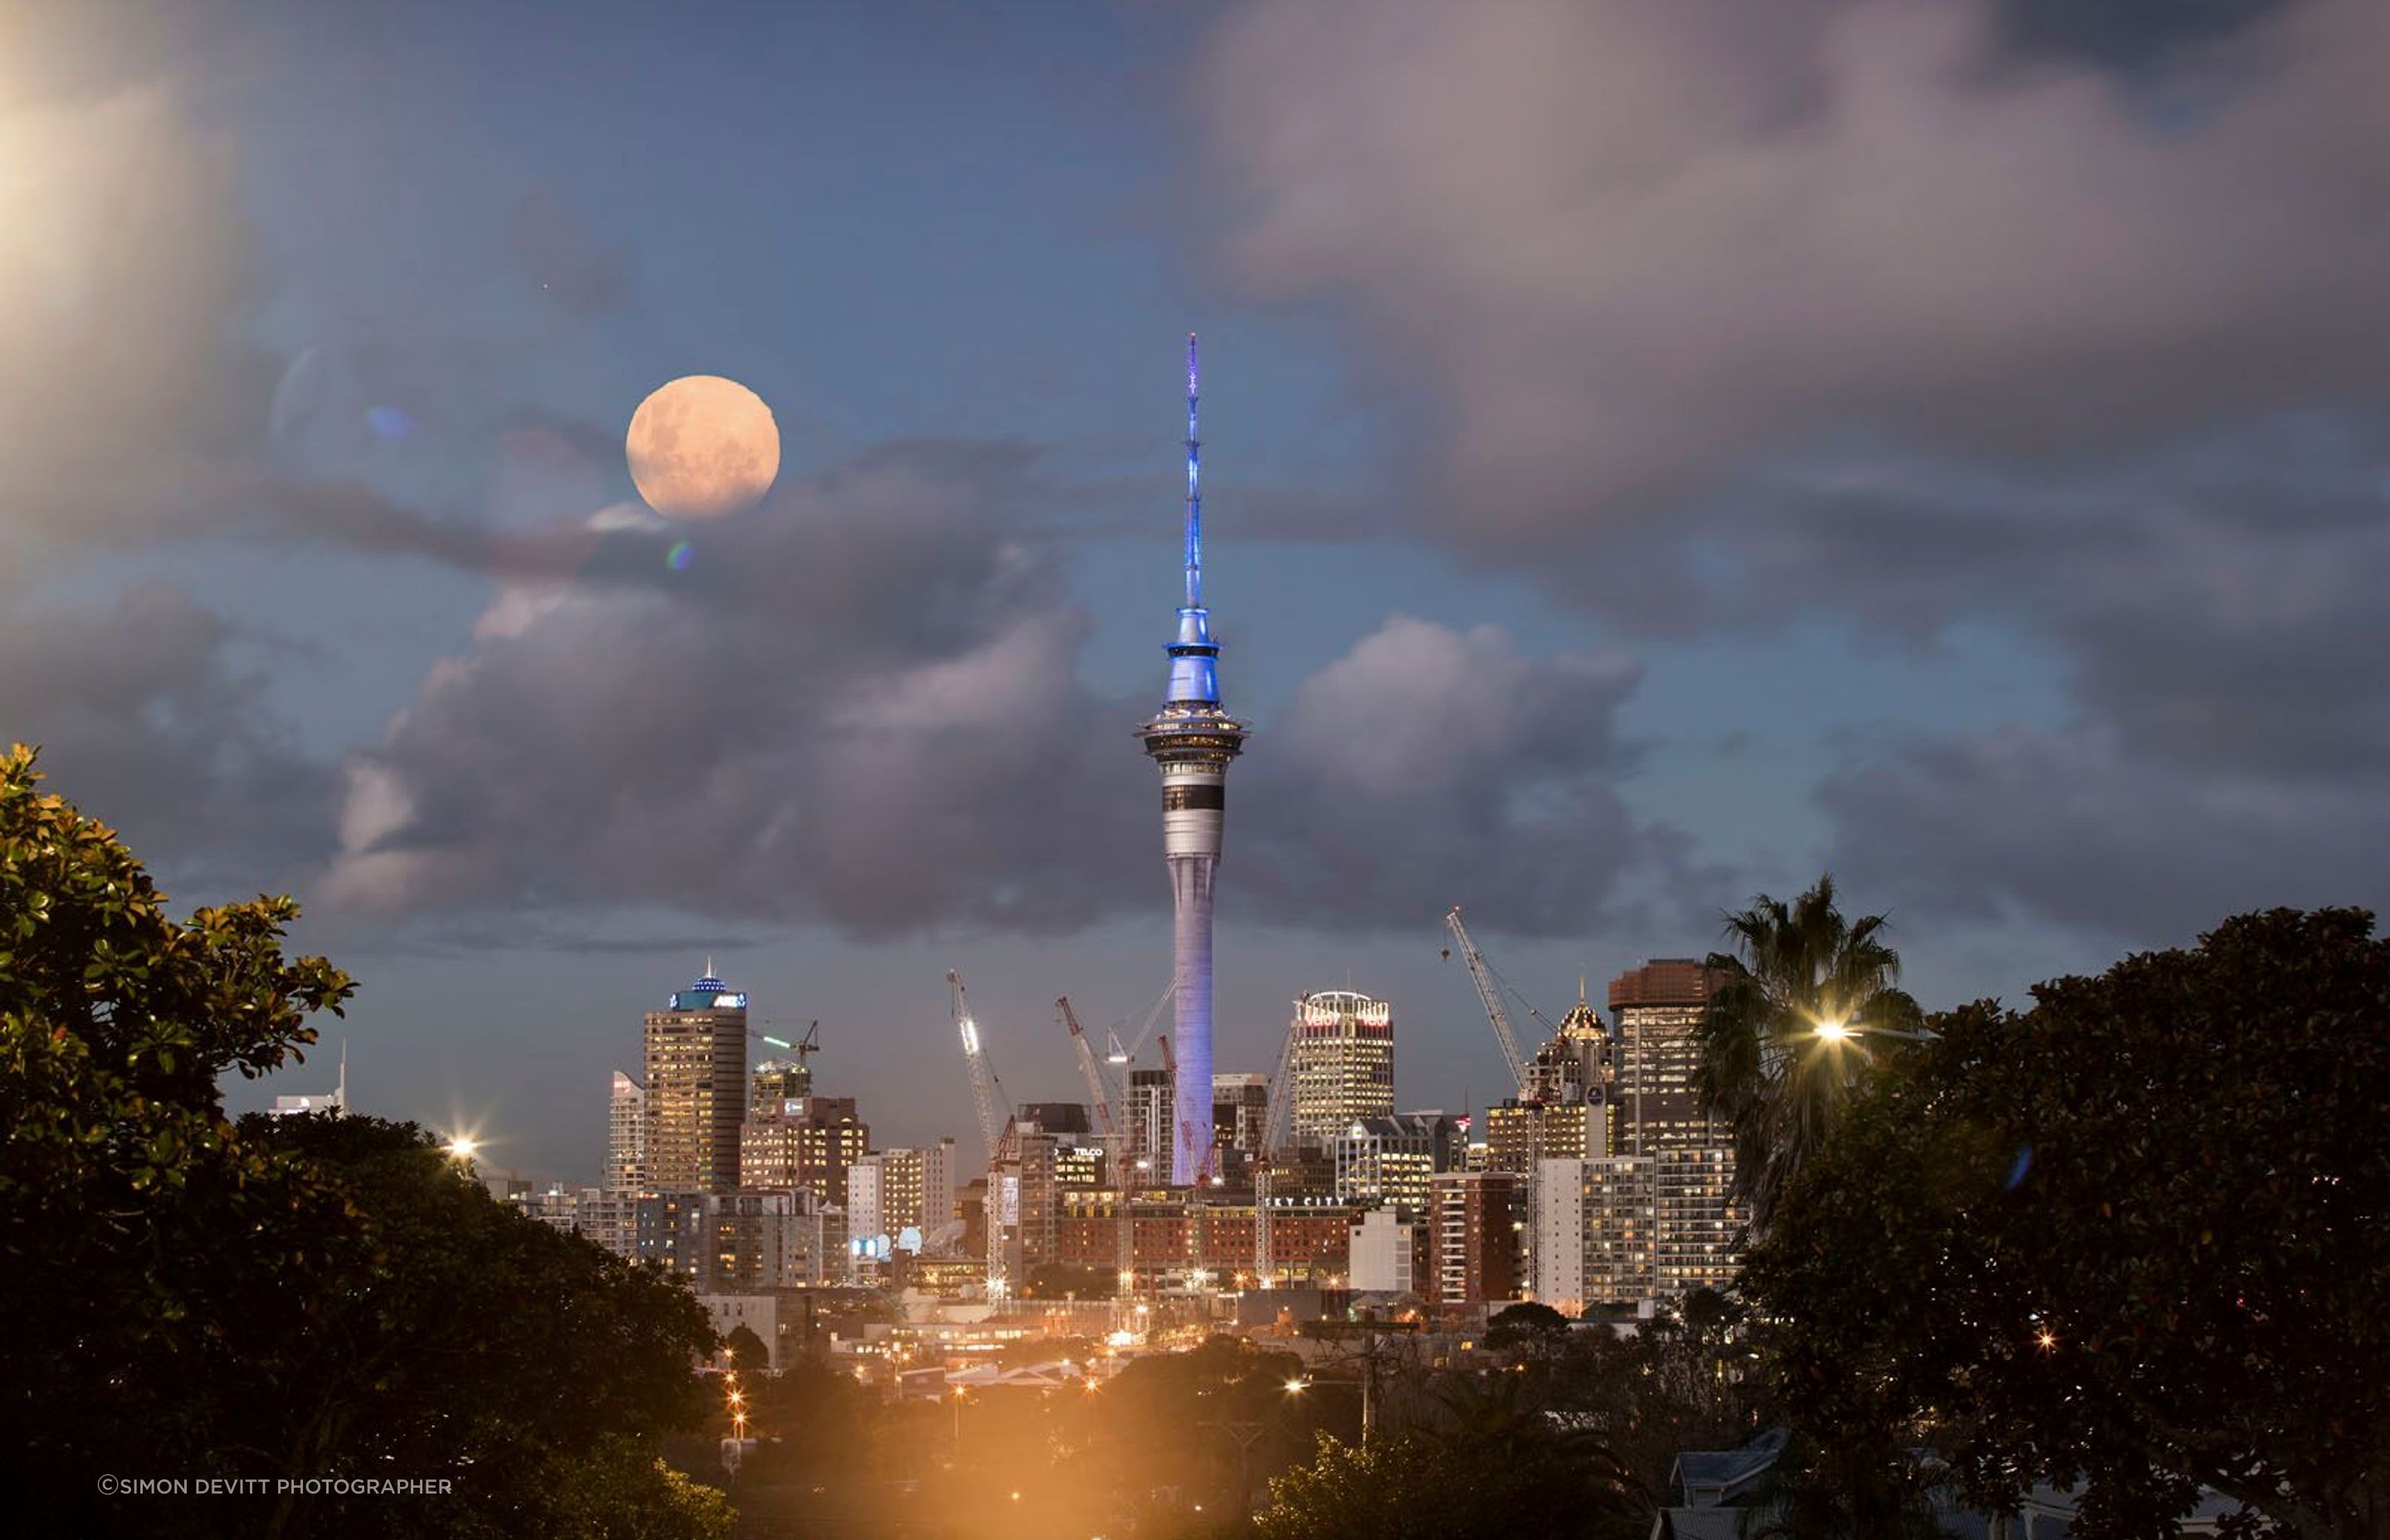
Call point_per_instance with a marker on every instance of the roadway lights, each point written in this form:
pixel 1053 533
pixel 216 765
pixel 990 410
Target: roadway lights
pixel 462 1146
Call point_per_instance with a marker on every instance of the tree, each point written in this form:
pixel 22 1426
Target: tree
pixel 129 1206
pixel 310 1298
pixel 746 1350
pixel 1496 1472
pixel 1764 1070
pixel 2138 1236
pixel 1530 1324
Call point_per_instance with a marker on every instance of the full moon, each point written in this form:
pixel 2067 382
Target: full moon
pixel 702 446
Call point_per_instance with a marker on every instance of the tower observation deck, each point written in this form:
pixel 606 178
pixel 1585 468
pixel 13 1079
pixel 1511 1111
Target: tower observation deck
pixel 1191 739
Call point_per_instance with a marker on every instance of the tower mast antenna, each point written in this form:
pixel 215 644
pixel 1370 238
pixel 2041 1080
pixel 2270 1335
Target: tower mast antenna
pixel 1194 486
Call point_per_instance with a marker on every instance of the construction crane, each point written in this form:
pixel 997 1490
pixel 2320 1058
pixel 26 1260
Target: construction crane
pixel 986 1090
pixel 1277 1098
pixel 1100 1096
pixel 1489 990
pixel 1121 1055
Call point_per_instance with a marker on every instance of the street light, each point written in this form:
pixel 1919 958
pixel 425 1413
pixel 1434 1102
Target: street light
pixel 1842 1030
pixel 1296 1387
pixel 461 1147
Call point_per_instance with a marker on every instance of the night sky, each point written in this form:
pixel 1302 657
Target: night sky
pixel 1654 453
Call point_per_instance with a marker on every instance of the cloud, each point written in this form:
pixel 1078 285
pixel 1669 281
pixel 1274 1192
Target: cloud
pixel 1428 767
pixel 145 721
pixel 2074 826
pixel 1633 249
pixel 860 706
pixel 2218 609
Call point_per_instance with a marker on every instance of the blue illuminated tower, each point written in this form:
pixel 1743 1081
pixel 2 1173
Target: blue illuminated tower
pixel 1192 740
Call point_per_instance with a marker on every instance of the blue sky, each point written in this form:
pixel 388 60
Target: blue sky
pixel 1618 503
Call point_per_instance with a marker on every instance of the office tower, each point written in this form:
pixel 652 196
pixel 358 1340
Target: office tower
pixel 917 1188
pixel 627 1137
pixel 1152 1112
pixel 1191 740
pixel 1564 1109
pixel 1342 1063
pixel 1025 1201
pixel 1686 1171
pixel 1387 1162
pixel 696 1090
pixel 1472 1236
pixel 804 1142
pixel 1239 1107
pixel 1658 1005
pixel 779 1080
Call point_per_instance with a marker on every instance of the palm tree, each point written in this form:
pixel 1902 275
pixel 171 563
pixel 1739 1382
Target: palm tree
pixel 1766 1069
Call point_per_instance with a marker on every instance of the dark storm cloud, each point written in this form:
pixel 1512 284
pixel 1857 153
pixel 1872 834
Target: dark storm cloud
pixel 1634 247
pixel 2076 828
pixel 859 705
pixel 2221 610
pixel 146 721
pixel 2064 319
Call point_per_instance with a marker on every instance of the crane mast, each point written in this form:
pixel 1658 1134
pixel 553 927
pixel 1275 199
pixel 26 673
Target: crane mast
pixel 1100 1096
pixel 1276 1100
pixel 1490 993
pixel 985 1089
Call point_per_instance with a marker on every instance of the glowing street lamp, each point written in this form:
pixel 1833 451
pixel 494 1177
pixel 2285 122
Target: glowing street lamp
pixel 462 1146
pixel 1842 1029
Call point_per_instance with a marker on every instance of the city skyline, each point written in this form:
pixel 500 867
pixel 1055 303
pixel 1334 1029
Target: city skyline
pixel 1964 507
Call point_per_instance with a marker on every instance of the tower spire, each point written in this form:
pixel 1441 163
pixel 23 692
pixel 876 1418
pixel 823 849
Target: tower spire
pixel 1194 487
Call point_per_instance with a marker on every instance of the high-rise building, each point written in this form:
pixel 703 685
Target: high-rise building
pixel 1025 1201
pixel 940 1203
pixel 804 1142
pixel 779 1080
pixel 1658 1007
pixel 696 1090
pixel 1342 1063
pixel 1152 1113
pixel 1240 1108
pixel 1387 1162
pixel 1621 1262
pixel 1680 1183
pixel 1192 739
pixel 1556 1233
pixel 917 1188
pixel 627 1137
pixel 1564 1109
pixel 1472 1236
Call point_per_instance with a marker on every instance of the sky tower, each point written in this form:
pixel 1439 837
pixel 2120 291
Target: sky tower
pixel 1192 740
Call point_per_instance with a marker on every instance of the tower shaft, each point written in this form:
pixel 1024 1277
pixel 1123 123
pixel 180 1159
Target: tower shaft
pixel 1191 739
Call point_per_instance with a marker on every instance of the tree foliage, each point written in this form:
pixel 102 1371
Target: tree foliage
pixel 1530 1324
pixel 2138 1235
pixel 303 1298
pixel 1496 1470
pixel 1764 1069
